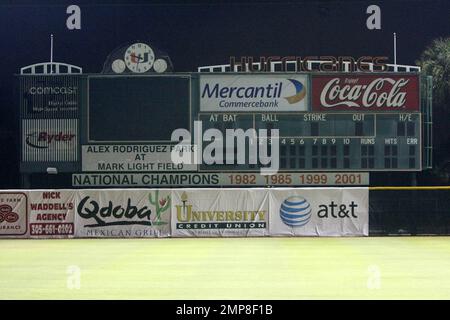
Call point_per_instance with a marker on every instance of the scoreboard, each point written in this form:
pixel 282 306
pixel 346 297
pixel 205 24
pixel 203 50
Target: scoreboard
pixel 331 128
pixel 330 141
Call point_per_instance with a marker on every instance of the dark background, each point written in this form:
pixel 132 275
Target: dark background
pixel 115 116
pixel 199 33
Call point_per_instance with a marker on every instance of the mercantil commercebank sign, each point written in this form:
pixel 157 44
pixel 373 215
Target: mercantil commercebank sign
pixel 250 93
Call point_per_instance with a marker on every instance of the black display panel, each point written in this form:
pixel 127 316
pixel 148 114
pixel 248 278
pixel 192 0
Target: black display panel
pixel 138 108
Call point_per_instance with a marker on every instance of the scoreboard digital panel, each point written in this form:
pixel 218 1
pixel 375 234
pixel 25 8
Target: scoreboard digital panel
pixel 330 141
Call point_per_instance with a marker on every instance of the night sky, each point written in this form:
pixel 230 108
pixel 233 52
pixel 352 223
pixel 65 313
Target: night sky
pixel 196 33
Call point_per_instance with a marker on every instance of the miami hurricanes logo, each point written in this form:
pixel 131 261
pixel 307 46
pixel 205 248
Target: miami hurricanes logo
pixel 300 92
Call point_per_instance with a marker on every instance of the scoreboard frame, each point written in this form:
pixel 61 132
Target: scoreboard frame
pixel 420 144
pixel 82 118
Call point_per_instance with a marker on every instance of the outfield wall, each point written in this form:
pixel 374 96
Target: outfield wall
pixel 123 213
pixel 409 210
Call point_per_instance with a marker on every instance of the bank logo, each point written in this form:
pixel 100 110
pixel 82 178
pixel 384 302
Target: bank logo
pixel 7 214
pixel 248 93
pixel 300 92
pixel 295 211
pixel 188 218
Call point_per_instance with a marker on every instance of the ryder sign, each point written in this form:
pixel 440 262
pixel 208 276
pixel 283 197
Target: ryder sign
pixel 370 93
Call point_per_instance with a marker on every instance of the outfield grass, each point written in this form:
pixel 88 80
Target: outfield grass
pixel 258 268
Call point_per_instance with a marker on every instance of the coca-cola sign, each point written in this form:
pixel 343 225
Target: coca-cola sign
pixel 365 93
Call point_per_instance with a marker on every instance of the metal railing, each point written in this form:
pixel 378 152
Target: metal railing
pixel 51 68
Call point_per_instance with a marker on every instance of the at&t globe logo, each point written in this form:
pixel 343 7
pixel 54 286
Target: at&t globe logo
pixel 295 211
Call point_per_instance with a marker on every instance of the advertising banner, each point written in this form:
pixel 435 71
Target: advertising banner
pixel 118 158
pixel 13 214
pixel 220 212
pixel 50 96
pixel 254 93
pixel 52 213
pixel 319 212
pixel 355 93
pixel 139 213
pixel 49 140
pixel 123 213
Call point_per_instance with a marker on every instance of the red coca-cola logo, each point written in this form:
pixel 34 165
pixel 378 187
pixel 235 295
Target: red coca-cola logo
pixel 366 93
pixel 7 214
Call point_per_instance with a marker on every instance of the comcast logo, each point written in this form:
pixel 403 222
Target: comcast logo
pixel 295 211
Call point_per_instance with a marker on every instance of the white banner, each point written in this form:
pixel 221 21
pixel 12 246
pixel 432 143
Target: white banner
pixel 13 214
pixel 193 212
pixel 52 213
pixel 319 212
pixel 123 213
pixel 253 93
pixel 128 158
pixel 220 212
pixel 238 179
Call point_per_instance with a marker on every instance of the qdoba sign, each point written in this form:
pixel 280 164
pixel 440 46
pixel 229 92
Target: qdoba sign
pixel 365 93
pixel 122 213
